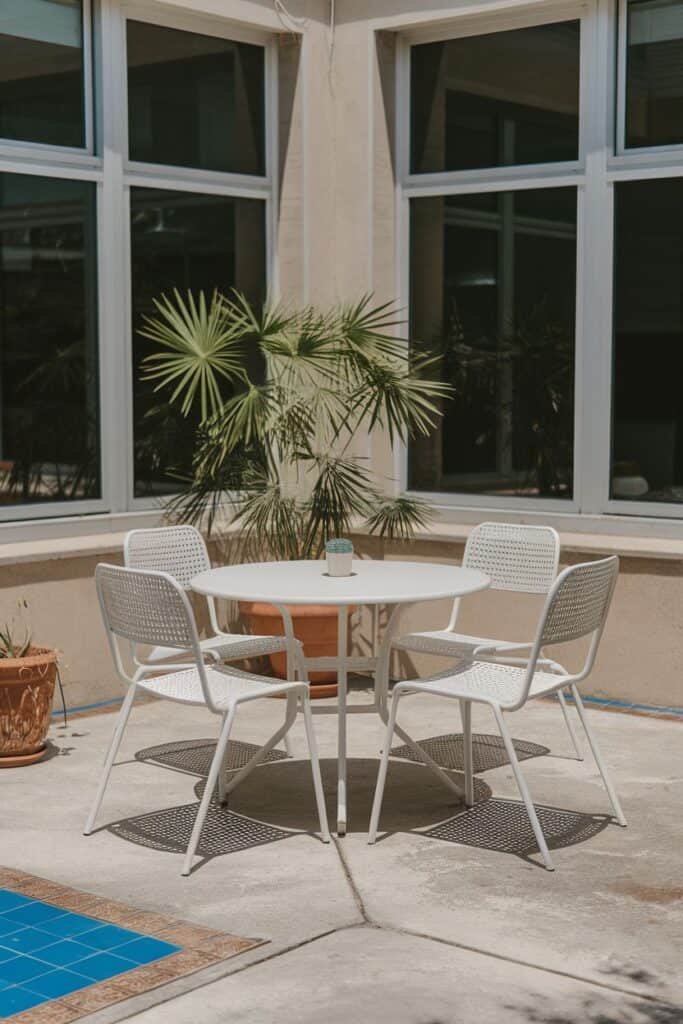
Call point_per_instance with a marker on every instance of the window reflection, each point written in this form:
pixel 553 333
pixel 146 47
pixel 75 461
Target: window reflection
pixel 493 294
pixel 41 71
pixel 496 100
pixel 48 349
pixel 195 100
pixel 647 442
pixel 185 241
pixel 654 73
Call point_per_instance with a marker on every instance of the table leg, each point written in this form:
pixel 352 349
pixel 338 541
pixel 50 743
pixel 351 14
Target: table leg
pixel 342 674
pixel 293 670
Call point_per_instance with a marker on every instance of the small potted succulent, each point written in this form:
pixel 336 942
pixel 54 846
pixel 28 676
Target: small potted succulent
pixel 339 552
pixel 27 683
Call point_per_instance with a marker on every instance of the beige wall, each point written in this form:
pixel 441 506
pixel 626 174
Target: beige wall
pixel 639 660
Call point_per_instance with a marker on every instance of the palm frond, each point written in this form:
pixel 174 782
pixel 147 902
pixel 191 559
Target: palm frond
pixel 200 350
pixel 342 491
pixel 398 518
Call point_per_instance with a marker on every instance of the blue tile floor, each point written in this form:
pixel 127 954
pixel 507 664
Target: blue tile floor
pixel 47 952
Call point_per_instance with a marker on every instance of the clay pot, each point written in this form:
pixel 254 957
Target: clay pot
pixel 26 689
pixel 314 624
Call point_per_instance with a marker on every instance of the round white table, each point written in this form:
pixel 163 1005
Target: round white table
pixel 372 583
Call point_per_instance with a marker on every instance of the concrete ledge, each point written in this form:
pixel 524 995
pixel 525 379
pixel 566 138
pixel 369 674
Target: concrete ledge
pixel 49 549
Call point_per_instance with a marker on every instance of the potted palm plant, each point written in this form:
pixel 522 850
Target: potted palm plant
pixel 27 683
pixel 279 446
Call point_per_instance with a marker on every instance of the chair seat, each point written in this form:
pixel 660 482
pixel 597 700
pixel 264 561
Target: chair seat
pixel 487 682
pixel 228 647
pixel 447 643
pixel 186 688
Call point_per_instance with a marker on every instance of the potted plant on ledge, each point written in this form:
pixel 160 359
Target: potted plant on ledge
pixel 27 683
pixel 280 447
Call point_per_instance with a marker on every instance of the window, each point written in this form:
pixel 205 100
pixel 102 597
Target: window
pixel 41 72
pixel 493 273
pixel 497 99
pixel 195 100
pixel 493 294
pixel 184 241
pixel 654 73
pixel 49 406
pixel 647 441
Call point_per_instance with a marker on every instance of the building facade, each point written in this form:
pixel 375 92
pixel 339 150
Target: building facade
pixel 511 173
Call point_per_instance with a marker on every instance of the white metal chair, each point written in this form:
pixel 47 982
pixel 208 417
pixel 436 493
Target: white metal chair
pixel 152 608
pixel 576 607
pixel 517 558
pixel 181 552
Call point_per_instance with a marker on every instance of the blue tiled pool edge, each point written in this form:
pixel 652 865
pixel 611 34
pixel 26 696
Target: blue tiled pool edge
pixel 65 953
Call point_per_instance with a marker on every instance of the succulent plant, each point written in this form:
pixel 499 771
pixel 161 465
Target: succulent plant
pixel 10 645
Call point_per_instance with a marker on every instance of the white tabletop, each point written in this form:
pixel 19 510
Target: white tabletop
pixel 373 582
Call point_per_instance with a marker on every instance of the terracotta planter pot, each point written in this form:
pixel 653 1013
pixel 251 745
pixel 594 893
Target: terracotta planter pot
pixel 26 689
pixel 314 624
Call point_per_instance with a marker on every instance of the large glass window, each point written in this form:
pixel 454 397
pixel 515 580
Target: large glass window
pixel 495 100
pixel 41 71
pixel 654 73
pixel 493 291
pixel 647 432
pixel 185 241
pixel 49 443
pixel 195 100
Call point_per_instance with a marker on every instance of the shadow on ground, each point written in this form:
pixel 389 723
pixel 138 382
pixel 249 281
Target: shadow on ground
pixel 276 801
pixel 487 751
pixel 503 826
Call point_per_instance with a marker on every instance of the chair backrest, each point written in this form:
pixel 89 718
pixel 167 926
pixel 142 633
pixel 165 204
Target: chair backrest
pixel 576 606
pixel 515 557
pixel 578 603
pixel 179 551
pixel 145 607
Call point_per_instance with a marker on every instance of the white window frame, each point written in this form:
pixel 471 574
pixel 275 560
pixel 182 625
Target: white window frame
pixel 200 182
pixel 568 173
pixel 73 163
pixel 600 166
pixel 104 161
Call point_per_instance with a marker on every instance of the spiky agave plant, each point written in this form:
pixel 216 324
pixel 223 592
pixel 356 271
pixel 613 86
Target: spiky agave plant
pixel 11 646
pixel 279 448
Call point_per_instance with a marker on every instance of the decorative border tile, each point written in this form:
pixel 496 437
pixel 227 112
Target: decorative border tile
pixel 201 947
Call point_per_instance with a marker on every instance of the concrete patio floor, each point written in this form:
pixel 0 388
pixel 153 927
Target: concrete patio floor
pixel 419 929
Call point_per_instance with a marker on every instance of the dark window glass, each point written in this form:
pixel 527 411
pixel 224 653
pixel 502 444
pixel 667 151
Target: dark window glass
pixel 195 101
pixel 493 294
pixel 654 73
pixel 184 241
pixel 495 100
pixel 41 71
pixel 49 447
pixel 647 433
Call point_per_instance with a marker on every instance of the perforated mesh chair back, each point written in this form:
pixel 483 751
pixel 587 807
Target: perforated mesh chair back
pixel 145 607
pixel 579 602
pixel 515 557
pixel 179 551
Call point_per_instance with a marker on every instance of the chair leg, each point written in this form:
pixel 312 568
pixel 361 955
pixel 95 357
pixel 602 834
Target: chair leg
pixel 570 727
pixel 214 772
pixel 383 765
pixel 226 787
pixel 315 768
pixel 602 767
pixel 523 789
pixel 466 716
pixel 114 745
